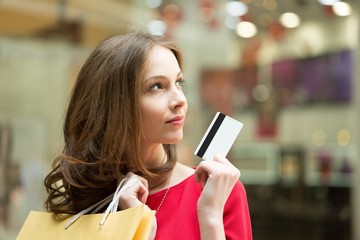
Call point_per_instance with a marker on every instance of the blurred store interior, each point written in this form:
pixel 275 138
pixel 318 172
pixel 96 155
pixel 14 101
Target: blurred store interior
pixel 287 69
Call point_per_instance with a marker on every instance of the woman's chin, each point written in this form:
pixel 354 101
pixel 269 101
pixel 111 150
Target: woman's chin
pixel 174 140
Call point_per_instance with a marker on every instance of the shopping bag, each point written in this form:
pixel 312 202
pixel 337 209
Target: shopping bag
pixel 131 223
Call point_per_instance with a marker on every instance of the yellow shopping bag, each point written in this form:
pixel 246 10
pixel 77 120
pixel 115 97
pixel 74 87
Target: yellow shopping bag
pixel 132 223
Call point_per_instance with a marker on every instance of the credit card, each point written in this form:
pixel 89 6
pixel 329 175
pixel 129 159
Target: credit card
pixel 219 137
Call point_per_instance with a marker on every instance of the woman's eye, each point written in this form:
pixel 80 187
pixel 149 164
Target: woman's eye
pixel 155 86
pixel 180 82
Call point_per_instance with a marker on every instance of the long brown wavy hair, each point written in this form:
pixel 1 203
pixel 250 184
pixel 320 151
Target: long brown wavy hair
pixel 102 125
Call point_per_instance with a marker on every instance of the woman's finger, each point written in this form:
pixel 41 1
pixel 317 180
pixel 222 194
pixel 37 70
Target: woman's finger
pixel 135 191
pixel 223 160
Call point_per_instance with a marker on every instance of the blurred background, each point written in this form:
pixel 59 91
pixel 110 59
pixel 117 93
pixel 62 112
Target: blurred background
pixel 287 69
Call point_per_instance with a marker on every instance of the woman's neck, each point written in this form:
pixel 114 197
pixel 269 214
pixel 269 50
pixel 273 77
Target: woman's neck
pixel 153 156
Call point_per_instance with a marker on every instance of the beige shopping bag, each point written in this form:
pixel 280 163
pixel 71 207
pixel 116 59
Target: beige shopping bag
pixel 132 223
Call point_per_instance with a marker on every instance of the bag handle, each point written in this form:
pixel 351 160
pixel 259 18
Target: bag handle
pixel 112 206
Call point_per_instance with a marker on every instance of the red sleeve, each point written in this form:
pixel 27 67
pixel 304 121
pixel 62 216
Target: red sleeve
pixel 237 221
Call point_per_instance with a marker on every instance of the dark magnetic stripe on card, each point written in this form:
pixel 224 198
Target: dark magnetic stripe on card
pixel 211 135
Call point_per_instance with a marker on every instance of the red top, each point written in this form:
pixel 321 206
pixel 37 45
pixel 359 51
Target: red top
pixel 177 217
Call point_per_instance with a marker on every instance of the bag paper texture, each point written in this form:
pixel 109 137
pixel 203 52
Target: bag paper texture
pixel 133 223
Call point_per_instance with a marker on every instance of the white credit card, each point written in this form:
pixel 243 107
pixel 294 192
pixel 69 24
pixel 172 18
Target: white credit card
pixel 219 137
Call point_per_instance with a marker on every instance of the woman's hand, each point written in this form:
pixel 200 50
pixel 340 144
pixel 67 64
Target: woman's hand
pixel 136 193
pixel 218 178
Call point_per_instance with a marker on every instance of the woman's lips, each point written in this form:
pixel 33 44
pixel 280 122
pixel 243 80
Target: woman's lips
pixel 179 120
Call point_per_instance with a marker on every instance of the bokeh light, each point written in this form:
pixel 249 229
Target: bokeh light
pixel 342 9
pixel 246 29
pixel 343 137
pixel 290 20
pixel 319 137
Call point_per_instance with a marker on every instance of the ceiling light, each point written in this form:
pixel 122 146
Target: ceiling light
pixel 157 27
pixel 343 137
pixel 153 3
pixel 341 9
pixel 236 9
pixel 246 29
pixel 290 20
pixel 328 2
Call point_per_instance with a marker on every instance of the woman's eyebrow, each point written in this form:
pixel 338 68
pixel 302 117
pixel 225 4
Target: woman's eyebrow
pixel 161 77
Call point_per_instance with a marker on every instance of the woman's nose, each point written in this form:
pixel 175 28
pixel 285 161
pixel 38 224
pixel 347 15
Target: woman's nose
pixel 178 99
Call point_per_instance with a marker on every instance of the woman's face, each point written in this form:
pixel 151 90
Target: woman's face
pixel 162 101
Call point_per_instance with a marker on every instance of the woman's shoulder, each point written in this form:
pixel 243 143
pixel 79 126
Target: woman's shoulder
pixel 237 197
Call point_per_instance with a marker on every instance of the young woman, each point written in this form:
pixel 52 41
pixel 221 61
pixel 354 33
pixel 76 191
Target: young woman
pixel 125 116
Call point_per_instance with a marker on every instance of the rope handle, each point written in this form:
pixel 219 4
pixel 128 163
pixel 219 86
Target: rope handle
pixel 112 207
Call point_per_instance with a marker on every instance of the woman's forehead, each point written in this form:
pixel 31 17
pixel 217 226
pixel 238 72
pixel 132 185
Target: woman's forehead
pixel 161 61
